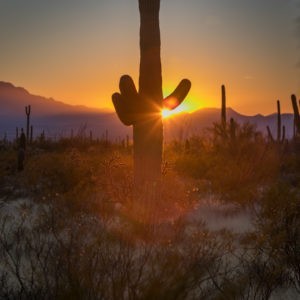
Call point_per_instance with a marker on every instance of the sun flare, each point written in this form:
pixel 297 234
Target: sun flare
pixel 167 113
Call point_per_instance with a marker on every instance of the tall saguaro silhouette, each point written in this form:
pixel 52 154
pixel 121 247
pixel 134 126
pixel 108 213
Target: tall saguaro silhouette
pixel 223 110
pixel 27 111
pixel 142 108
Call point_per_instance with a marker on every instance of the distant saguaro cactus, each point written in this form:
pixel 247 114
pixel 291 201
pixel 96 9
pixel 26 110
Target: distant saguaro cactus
pixel 296 116
pixel 27 111
pixel 283 134
pixel 42 137
pixel 278 122
pixel 270 136
pixel 232 130
pixel 142 108
pixel 31 134
pixel 223 109
pixel 280 129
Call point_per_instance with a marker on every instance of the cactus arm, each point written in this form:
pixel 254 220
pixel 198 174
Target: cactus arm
pixel 127 87
pixel 127 101
pixel 27 110
pixel 121 109
pixel 179 94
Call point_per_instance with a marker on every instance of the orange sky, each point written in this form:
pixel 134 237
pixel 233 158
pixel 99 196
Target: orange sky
pixel 75 52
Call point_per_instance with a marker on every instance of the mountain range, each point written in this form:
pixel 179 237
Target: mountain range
pixel 58 119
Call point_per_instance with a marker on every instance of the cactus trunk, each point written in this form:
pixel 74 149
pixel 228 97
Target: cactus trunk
pixel 148 131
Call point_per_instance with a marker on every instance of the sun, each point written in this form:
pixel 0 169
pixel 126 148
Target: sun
pixel 189 105
pixel 167 113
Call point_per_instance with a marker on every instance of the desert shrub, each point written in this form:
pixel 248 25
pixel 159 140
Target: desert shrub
pixel 237 169
pixel 8 163
pixel 290 168
pixel 8 170
pixel 240 178
pixel 275 243
pixel 254 277
pixel 81 180
pixel 193 160
pixel 244 164
pixel 194 165
pixel 52 255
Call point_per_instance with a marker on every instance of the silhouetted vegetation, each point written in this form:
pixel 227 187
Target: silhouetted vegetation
pixel 71 227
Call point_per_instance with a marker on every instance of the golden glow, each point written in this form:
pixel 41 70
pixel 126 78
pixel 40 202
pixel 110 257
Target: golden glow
pixel 167 113
pixel 187 106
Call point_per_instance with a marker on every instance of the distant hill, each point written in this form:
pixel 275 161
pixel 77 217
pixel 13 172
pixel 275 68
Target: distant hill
pixel 58 119
pixel 186 125
pixel 55 117
pixel 14 99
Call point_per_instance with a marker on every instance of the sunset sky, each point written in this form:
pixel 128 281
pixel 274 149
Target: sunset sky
pixel 75 51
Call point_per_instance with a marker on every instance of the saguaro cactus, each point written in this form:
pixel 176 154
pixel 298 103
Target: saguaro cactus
pixel 296 116
pixel 280 129
pixel 31 134
pixel 232 130
pixel 27 111
pixel 278 122
pixel 223 109
pixel 270 136
pixel 142 108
